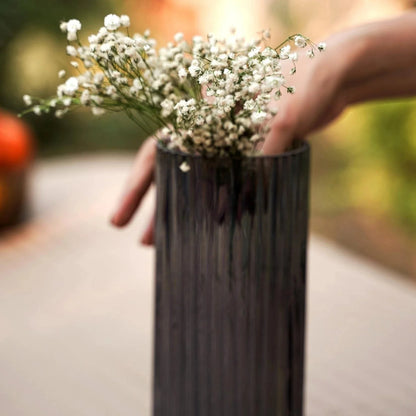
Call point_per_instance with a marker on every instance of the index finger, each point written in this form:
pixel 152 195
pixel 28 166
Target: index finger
pixel 138 183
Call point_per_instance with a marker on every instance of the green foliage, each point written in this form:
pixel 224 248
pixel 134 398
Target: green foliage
pixel 24 19
pixel 379 143
pixel 17 14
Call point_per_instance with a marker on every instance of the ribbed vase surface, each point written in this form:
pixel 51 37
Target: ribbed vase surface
pixel 231 238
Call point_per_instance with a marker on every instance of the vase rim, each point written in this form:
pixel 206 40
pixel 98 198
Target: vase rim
pixel 301 147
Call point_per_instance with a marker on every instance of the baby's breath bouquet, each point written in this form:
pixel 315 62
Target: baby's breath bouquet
pixel 211 96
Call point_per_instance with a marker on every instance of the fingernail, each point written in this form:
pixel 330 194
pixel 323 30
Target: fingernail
pixel 146 240
pixel 114 219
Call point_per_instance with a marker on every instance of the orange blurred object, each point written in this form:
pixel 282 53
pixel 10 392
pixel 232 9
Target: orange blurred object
pixel 16 149
pixel 16 154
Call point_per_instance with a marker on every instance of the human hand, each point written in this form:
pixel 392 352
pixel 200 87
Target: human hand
pixel 369 62
pixel 373 61
pixel 298 115
pixel 140 179
pixel 321 94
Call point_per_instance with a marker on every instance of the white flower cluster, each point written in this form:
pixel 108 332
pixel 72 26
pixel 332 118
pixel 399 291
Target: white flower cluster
pixel 211 96
pixel 71 28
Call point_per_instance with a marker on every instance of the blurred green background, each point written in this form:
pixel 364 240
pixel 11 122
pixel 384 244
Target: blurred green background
pixel 364 165
pixel 32 50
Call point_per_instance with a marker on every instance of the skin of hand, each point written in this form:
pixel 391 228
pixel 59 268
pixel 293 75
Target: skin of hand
pixel 369 62
pixel 139 182
pixel 372 61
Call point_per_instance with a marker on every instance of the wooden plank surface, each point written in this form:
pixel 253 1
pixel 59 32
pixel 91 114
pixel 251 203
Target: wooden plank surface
pixel 76 311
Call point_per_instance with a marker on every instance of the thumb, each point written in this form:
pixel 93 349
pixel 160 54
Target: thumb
pixel 281 134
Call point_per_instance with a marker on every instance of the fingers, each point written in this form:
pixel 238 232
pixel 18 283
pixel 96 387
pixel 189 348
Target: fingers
pixel 306 110
pixel 281 133
pixel 138 183
pixel 148 237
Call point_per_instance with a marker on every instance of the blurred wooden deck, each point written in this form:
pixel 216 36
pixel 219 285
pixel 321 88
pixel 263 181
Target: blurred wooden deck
pixel 76 310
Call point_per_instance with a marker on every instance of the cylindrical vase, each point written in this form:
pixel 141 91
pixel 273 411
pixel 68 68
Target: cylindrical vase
pixel 231 237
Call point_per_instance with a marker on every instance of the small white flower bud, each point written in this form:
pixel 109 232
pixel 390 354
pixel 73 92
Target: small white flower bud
pixel 254 52
pixel 258 117
pixel 277 94
pixel 125 20
pixel 203 79
pixel 71 86
pixel 184 167
pixel 92 39
pixel 97 111
pixel 182 73
pixel 249 105
pixel 266 34
pixel 60 113
pixel 97 99
pixel 293 56
pixel 71 36
pixel 71 51
pixel 178 37
pixel 310 53
pixel 27 99
pixel 85 97
pixel 194 71
pixel 102 32
pixel 300 41
pixel 63 26
pixel 284 52
pixel 73 25
pixel 112 22
pixel 98 78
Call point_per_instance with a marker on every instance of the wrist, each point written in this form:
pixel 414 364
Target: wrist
pixel 372 57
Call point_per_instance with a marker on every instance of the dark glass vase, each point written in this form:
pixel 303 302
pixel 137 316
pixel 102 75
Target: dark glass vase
pixel 231 238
